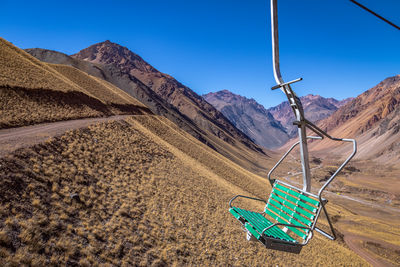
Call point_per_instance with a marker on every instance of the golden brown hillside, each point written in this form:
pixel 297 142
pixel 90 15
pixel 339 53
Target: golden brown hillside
pixel 32 91
pixel 135 192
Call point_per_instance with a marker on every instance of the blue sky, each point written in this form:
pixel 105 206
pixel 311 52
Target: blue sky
pixel 339 49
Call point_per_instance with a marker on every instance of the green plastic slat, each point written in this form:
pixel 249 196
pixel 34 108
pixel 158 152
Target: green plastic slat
pixel 278 219
pixel 252 231
pixel 260 223
pixel 274 231
pixel 234 213
pixel 298 209
pixel 297 194
pixel 284 218
pixel 294 200
pixel 291 213
pixel 249 216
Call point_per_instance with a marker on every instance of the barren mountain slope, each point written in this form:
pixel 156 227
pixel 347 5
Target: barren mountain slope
pixel 140 192
pixel 374 118
pixel 250 117
pixel 32 91
pixel 315 107
pixel 234 150
pixel 181 97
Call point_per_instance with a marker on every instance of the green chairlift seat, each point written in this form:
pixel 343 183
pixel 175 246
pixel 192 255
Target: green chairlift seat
pixel 287 220
pixel 290 215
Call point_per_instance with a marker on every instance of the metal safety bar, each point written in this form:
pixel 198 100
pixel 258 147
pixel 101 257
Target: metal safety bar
pixel 253 198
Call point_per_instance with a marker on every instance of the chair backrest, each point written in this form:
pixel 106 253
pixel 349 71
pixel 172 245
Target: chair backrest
pixel 290 205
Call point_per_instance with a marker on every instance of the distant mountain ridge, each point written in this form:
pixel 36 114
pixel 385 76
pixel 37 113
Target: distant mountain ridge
pixel 166 87
pixel 315 107
pixel 250 117
pixel 271 127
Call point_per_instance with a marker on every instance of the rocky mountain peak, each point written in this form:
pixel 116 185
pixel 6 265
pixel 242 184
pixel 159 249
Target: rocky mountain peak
pixel 108 52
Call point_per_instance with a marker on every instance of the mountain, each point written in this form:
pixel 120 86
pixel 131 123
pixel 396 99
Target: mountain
pixel 315 107
pixel 374 119
pixel 166 87
pixel 32 92
pixel 225 144
pixel 250 117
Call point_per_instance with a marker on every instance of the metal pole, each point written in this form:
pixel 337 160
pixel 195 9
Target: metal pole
pixel 294 101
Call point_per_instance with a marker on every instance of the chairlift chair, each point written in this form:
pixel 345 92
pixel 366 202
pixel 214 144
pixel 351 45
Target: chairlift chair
pixel 290 214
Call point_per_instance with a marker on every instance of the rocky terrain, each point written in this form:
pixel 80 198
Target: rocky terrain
pixel 250 117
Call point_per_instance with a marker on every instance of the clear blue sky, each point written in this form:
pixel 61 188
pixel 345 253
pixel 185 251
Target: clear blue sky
pixel 339 49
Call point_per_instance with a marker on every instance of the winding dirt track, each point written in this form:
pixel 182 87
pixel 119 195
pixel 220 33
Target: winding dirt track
pixel 14 138
pixel 351 241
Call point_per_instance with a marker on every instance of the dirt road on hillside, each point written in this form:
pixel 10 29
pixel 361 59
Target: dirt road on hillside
pixel 352 240
pixel 14 138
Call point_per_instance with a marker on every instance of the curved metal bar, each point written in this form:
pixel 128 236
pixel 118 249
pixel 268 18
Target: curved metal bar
pixel 275 42
pixel 284 156
pixel 253 198
pixel 341 166
pixel 322 232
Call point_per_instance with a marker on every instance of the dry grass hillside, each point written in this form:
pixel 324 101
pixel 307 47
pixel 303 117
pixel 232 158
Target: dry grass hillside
pixel 32 91
pixel 135 192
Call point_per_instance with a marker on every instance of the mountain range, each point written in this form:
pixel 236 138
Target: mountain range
pixel 250 117
pixel 185 100
pixel 271 127
pixel 315 108
pixel 181 105
pixel 372 116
